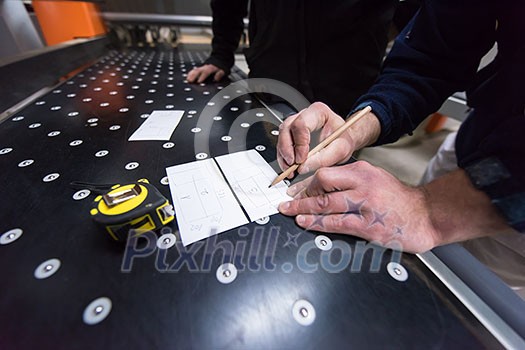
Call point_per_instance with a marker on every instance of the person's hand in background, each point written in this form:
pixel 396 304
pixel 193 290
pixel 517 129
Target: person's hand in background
pixel 200 74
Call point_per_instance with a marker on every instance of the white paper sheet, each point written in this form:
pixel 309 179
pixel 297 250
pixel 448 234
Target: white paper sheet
pixel 159 126
pixel 204 204
pixel 249 176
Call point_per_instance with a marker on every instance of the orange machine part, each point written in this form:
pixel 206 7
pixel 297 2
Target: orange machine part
pixel 435 123
pixel 66 20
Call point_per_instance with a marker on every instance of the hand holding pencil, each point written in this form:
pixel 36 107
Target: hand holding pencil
pixel 295 134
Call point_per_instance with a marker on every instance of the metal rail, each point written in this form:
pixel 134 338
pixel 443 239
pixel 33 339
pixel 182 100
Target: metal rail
pixel 494 304
pixel 152 18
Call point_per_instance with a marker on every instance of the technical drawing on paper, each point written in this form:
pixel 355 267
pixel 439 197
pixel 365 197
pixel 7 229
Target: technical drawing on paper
pixel 249 175
pixel 204 204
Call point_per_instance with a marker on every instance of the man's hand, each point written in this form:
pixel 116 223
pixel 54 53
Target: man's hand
pixel 294 138
pixel 200 74
pixel 364 201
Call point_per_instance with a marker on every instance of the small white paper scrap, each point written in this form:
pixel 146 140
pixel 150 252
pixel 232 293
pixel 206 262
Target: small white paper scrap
pixel 249 175
pixel 204 204
pixel 158 127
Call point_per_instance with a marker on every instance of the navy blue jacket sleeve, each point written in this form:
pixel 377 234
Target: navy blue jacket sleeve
pixel 227 28
pixel 437 54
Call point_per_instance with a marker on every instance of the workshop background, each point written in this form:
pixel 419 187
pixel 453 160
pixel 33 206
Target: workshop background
pixel 77 79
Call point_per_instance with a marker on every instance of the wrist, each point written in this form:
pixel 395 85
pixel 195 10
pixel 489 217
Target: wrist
pixel 457 211
pixel 365 132
pixel 431 220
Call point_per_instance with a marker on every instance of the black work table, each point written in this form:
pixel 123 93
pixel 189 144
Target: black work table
pixel 79 132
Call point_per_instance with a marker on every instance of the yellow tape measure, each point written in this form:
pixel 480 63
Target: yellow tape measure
pixel 131 209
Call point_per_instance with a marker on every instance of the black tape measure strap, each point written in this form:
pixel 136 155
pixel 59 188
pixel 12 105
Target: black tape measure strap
pixel 95 188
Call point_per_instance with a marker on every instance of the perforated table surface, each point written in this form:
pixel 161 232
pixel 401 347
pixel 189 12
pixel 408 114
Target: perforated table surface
pixel 65 284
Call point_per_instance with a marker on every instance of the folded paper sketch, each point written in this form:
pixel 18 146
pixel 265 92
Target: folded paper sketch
pixel 249 176
pixel 204 203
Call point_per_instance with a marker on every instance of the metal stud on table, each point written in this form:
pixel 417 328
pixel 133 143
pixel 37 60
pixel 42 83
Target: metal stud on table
pixel 263 221
pixel 10 236
pixel 397 271
pixel 303 312
pixel 25 163
pixel 97 311
pixel 47 268
pixel 226 273
pixel 166 241
pixel 81 194
pixel 51 177
pixel 324 243
pixel 131 166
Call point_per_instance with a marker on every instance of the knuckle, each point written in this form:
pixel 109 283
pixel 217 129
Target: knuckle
pixel 303 206
pixel 318 106
pixel 298 125
pixel 360 164
pixel 343 149
pixel 323 175
pixel 301 148
pixel 323 201
pixel 287 122
pixel 337 223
